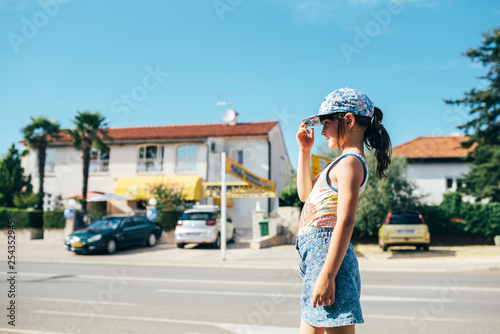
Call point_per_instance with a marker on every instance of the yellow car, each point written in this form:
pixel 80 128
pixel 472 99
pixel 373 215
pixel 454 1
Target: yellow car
pixel 404 228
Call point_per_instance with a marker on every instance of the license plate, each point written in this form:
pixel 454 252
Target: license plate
pixel 76 244
pixel 406 231
pixel 192 234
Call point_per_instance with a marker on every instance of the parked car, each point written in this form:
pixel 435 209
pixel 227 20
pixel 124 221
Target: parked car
pixel 201 225
pixel 112 232
pixel 402 229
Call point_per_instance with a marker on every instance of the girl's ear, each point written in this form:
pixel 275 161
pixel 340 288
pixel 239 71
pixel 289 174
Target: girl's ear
pixel 350 120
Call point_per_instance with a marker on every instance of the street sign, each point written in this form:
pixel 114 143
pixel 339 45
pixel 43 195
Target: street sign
pixel 151 214
pixel 69 213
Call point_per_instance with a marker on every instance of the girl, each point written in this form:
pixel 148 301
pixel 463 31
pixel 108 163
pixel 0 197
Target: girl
pixel 329 268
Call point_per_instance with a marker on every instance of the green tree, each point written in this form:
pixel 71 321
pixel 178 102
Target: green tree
pixel 89 132
pixel 40 133
pixel 168 199
pixel 483 180
pixel 15 187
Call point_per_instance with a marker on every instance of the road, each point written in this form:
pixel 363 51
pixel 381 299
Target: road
pixel 66 298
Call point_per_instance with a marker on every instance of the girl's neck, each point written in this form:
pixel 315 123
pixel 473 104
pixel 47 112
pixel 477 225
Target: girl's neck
pixel 353 149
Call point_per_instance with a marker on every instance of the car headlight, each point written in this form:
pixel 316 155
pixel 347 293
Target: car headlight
pixel 93 238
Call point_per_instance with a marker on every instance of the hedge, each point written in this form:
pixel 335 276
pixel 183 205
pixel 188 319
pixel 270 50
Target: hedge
pixel 33 219
pixel 54 219
pixel 462 219
pixel 168 219
pixel 22 217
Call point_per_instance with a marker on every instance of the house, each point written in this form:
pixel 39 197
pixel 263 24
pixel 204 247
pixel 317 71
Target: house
pixel 181 155
pixel 436 164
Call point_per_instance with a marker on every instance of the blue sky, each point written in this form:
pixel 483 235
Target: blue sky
pixel 281 56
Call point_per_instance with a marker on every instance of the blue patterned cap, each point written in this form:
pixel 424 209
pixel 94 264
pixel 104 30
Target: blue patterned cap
pixel 343 100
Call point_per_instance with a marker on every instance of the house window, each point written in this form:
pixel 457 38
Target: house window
pixel 449 183
pixel 150 159
pixel 240 157
pixel 99 161
pixel 186 158
pixel 460 183
pixel 50 160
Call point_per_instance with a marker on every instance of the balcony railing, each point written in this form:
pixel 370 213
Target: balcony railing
pixel 150 166
pixel 99 166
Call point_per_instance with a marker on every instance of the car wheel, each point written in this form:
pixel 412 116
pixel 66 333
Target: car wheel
pixel 111 246
pixel 424 247
pixel 181 245
pixel 216 244
pixel 233 236
pixel 151 240
pixel 385 248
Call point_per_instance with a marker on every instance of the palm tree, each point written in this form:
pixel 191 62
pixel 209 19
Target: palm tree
pixel 38 135
pixel 90 132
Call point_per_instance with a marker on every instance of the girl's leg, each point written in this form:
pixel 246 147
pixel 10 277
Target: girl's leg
pixel 305 328
pixel 341 330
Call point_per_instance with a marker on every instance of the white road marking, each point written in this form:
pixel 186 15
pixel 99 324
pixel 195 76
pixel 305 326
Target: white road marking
pixel 234 328
pixel 425 287
pixel 367 298
pixel 27 331
pixel 229 293
pixel 155 279
pixel 86 301
pixel 397 317
pixel 298 284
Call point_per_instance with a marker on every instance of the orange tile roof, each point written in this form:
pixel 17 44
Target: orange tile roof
pixel 433 147
pixel 192 131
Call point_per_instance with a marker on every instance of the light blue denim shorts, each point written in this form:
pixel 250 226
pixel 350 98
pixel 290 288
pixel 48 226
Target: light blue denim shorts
pixel 346 310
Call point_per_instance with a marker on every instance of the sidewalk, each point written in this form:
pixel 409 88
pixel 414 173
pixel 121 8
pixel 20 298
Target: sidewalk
pixel 239 255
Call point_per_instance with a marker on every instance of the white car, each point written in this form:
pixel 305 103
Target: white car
pixel 202 225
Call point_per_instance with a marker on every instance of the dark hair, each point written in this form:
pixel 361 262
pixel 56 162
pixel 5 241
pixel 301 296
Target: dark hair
pixel 375 137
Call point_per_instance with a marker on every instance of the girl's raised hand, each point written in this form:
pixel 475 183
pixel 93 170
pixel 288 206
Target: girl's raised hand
pixel 305 138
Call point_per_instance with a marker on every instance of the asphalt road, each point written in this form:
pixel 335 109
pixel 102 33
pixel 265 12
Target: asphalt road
pixel 65 298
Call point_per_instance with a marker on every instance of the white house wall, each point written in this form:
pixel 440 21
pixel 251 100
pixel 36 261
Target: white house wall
pixel 430 178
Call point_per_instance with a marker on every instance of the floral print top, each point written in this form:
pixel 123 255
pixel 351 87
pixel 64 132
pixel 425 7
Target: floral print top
pixel 320 209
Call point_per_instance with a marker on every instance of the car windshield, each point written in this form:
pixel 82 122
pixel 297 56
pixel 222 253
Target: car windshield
pixel 197 216
pixel 405 219
pixel 105 224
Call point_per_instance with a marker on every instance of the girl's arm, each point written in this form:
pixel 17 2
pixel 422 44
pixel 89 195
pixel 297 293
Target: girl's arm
pixel 305 140
pixel 349 173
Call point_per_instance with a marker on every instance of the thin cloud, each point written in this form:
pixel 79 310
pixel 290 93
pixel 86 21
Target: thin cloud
pixel 436 67
pixel 346 14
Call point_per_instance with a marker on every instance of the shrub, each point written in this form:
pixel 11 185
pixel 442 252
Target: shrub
pixel 22 217
pixel 168 219
pixel 455 217
pixel 54 219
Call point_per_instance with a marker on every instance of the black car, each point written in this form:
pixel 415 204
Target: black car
pixel 110 233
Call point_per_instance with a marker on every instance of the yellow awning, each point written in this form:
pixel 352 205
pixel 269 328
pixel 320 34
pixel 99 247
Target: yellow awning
pixel 140 187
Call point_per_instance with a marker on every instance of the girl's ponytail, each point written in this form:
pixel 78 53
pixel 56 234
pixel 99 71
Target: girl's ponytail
pixel 376 137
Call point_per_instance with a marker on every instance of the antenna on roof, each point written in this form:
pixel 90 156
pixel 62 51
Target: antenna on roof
pixel 229 116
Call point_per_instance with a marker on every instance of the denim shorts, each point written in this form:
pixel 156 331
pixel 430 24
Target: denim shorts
pixel 346 310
